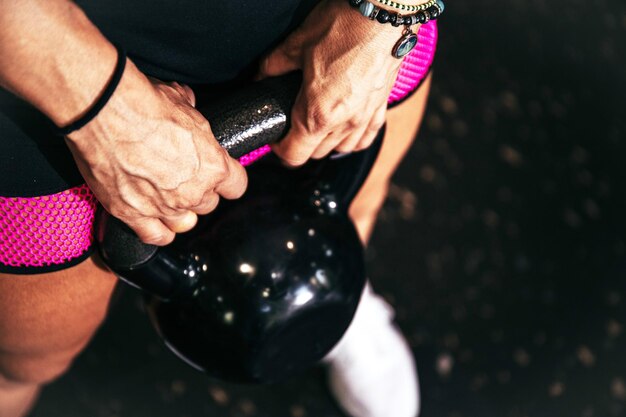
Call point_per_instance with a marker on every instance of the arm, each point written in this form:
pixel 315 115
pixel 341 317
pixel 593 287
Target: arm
pixel 149 157
pixel 53 57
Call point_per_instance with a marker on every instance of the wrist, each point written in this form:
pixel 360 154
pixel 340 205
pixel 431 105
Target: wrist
pixel 133 91
pixel 421 14
pixel 403 6
pixel 93 110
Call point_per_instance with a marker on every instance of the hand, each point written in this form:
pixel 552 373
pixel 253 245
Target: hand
pixel 348 73
pixel 151 159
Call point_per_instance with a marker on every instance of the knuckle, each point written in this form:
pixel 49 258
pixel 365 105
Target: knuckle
pixel 209 204
pixel 354 123
pixel 212 202
pixel 152 239
pixel 318 120
pixel 190 199
pixel 124 213
pixel 165 211
pixel 177 87
pixel 222 167
pixel 371 131
pixel 156 237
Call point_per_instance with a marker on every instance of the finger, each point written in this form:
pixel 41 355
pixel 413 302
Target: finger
pixel 181 223
pixel 151 231
pixel 349 143
pixel 372 130
pixel 297 147
pixel 208 204
pixel 304 136
pixel 280 61
pixel 329 143
pixel 234 184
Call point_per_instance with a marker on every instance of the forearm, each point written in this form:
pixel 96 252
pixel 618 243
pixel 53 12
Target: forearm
pixel 52 56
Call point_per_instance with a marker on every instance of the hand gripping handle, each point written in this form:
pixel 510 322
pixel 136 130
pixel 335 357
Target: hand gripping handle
pixel 242 120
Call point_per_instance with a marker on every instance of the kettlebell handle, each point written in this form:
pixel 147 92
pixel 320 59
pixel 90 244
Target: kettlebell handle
pixel 259 114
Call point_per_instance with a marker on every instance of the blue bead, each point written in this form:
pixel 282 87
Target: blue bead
pixel 366 8
pixel 441 6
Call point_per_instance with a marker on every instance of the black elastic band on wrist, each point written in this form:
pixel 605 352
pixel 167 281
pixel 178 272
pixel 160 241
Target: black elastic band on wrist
pixel 93 111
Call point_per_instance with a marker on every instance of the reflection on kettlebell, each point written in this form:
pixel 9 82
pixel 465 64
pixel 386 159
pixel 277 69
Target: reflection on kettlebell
pixel 264 286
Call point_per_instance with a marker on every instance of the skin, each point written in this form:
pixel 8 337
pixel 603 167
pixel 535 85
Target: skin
pixel 47 319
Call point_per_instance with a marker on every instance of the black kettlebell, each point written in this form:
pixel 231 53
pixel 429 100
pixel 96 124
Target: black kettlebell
pixel 264 286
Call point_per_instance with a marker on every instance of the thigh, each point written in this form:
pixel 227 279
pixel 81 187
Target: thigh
pixel 46 319
pixel 403 122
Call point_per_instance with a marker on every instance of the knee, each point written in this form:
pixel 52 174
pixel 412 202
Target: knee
pixel 24 369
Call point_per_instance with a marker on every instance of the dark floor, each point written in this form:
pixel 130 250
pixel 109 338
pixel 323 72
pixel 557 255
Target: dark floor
pixel 510 281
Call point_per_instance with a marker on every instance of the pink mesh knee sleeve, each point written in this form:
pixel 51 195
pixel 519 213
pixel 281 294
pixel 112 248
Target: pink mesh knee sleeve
pixel 46 230
pixel 414 68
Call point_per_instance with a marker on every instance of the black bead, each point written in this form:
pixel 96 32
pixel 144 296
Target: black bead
pixel 434 12
pixel 355 3
pixel 383 16
pixel 407 20
pixel 396 20
pixel 421 17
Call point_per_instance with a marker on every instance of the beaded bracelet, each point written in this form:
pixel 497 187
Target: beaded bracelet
pixel 407 7
pixel 108 91
pixel 409 39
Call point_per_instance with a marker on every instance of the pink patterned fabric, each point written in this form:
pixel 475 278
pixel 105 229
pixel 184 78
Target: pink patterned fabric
pixel 254 155
pixel 46 230
pixel 417 63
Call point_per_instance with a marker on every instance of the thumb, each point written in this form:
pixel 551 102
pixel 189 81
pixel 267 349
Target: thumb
pixel 280 61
